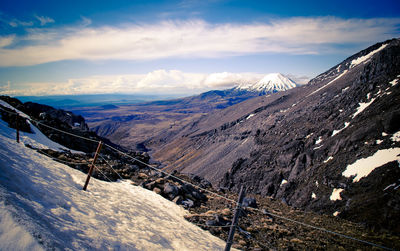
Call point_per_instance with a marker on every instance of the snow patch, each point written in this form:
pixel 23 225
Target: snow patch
pixel 336 194
pixel 384 134
pixel 251 115
pixel 344 72
pixel 319 140
pixel 283 182
pixel 391 185
pixel 365 58
pixel 394 82
pixel 316 183
pixel 346 124
pixel 362 107
pixel 309 135
pixel 328 159
pixel 5 104
pixel 396 137
pixel 378 141
pixel 336 213
pixel 313 196
pixel 363 167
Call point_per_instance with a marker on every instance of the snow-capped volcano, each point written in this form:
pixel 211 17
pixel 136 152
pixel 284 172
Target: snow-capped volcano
pixel 270 83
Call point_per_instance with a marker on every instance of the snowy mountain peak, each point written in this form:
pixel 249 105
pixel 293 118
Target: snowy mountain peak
pixel 270 83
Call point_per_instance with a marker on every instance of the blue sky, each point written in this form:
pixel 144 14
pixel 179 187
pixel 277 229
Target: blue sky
pixel 184 47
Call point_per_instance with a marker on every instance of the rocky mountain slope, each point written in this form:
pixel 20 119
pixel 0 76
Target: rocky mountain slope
pixel 306 146
pixel 55 187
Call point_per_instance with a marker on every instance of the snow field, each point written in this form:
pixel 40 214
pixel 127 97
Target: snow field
pixel 48 201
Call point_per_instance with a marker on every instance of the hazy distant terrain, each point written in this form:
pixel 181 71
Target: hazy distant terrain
pixel 73 101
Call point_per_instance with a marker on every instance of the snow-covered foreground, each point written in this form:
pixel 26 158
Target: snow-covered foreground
pixel 42 205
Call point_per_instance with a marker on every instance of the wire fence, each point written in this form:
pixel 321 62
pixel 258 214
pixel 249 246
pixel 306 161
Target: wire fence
pixel 216 195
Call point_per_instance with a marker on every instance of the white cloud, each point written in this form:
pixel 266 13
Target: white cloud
pixel 195 38
pixel 6 40
pixel 155 82
pixel 44 20
pixel 16 23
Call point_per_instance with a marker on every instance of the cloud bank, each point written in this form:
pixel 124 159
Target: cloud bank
pixel 191 38
pixel 155 82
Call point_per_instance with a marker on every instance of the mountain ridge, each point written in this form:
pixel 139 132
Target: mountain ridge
pixel 283 145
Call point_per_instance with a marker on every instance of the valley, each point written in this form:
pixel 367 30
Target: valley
pixel 291 145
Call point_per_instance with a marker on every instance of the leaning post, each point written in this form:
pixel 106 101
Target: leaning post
pixel 17 127
pixel 235 218
pixel 92 165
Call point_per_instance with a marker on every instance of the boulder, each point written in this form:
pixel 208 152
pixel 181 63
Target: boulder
pixel 249 202
pixel 188 203
pixel 170 190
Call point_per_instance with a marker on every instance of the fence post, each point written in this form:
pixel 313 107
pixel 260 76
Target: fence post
pixel 92 165
pixel 235 219
pixel 17 127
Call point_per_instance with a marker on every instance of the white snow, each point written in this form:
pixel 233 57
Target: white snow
pixel 319 140
pixel 77 124
pixel 346 124
pixel 318 147
pixel 41 197
pixel 251 115
pixel 363 167
pixel 336 213
pixel 316 183
pixel 394 82
pixel 309 135
pixel 384 134
pixel 313 196
pixel 330 82
pixel 345 89
pixel 270 83
pixel 362 107
pixel 283 182
pixel 5 104
pixel 396 137
pixel 336 194
pixel 365 58
pixel 12 235
pixel 328 159
pixel 391 185
pixel 340 110
pixel 378 141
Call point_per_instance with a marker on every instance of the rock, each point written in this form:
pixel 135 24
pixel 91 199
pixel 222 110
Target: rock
pixel 226 212
pixel 171 191
pixel 217 221
pixel 249 202
pixel 188 203
pixel 157 190
pixel 143 176
pixel 160 181
pixel 391 122
pixel 178 200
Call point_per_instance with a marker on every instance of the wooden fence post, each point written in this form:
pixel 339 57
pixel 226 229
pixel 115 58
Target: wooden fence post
pixel 17 127
pixel 235 218
pixel 92 165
